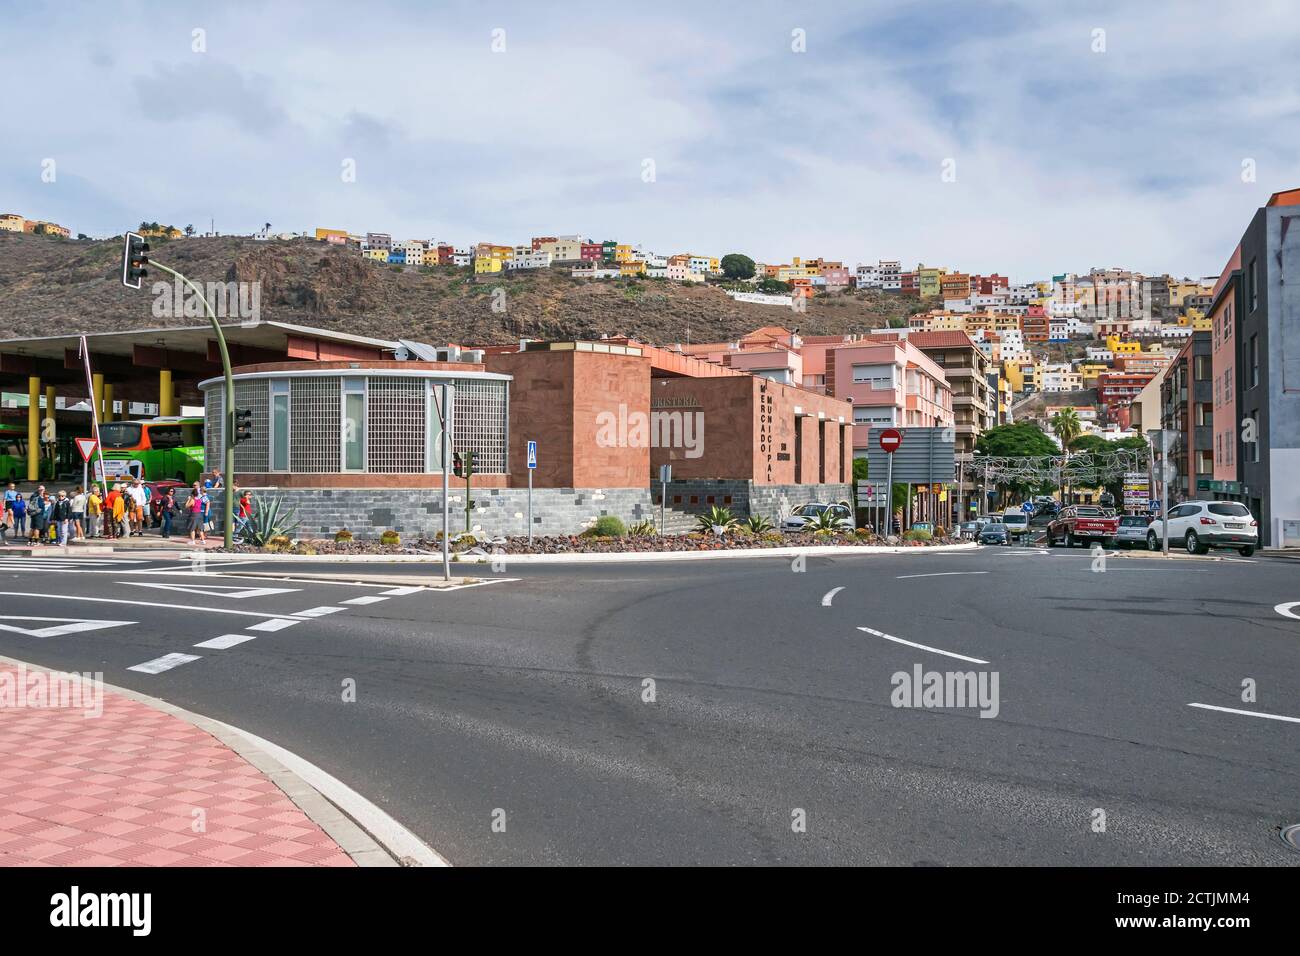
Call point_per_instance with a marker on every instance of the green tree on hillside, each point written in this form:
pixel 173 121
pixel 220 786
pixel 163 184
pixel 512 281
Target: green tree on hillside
pixel 737 266
pixel 1018 440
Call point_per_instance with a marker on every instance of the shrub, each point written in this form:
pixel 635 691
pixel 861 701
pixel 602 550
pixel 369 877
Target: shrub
pixel 279 542
pixel 608 526
pixel 773 536
pixel 390 539
pixel 343 536
pixel 915 535
pixel 940 532
pixel 757 524
pixel 823 523
pixel 269 520
pixel 643 528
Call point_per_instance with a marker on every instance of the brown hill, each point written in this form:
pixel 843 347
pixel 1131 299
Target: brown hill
pixel 50 286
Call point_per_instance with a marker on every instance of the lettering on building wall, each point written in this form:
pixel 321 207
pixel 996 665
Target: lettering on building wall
pixel 765 403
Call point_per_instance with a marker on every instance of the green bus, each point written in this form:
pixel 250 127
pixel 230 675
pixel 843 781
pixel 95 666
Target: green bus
pixel 153 449
pixel 13 455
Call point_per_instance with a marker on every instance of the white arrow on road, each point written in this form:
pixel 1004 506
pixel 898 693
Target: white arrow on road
pixel 71 625
pixel 236 591
pixel 1286 610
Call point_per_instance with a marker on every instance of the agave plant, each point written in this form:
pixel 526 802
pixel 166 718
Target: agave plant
pixel 643 528
pixel 824 522
pixel 717 520
pixel 758 524
pixel 270 519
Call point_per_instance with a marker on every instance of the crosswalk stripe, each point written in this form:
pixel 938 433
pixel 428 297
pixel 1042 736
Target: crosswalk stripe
pixel 320 611
pixel 366 599
pixel 275 624
pixel 397 592
pixel 164 663
pixel 226 640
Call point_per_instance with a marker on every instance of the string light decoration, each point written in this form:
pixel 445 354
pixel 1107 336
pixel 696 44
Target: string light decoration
pixel 1092 468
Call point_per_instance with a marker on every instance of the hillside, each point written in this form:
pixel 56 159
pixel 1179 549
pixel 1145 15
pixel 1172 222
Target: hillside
pixel 50 286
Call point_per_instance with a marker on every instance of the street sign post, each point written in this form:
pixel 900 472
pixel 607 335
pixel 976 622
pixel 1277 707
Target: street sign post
pixel 891 439
pixel 532 467
pixel 87 448
pixel 665 476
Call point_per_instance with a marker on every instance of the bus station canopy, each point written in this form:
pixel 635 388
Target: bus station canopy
pixel 131 360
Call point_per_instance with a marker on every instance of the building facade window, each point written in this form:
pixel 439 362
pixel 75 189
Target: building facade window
pixel 353 433
pixel 280 425
pixel 1254 361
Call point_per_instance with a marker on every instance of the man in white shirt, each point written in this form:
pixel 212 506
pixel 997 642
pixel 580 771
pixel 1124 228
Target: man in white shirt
pixel 79 512
pixel 138 498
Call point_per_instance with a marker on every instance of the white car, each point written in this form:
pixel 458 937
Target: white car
pixel 1017 522
pixel 800 516
pixel 1198 526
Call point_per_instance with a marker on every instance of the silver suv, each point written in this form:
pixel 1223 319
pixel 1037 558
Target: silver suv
pixel 1201 525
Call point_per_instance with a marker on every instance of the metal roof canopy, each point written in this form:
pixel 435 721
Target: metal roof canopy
pixel 185 349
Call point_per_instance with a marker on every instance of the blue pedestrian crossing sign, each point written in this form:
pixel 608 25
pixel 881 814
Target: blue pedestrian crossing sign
pixel 532 454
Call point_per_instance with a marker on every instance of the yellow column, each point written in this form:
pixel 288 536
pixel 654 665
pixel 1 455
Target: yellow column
pixel 33 427
pixel 108 401
pixel 165 393
pixel 97 387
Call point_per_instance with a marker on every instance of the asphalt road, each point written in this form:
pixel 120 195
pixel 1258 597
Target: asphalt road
pixel 526 698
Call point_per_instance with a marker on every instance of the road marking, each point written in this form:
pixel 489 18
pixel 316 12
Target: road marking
pixel 279 624
pixel 397 592
pixel 174 607
pixel 319 611
pixel 923 647
pixel 226 640
pixel 1247 713
pixel 937 574
pixel 830 596
pixel 1285 610
pixel 75 625
pixel 236 591
pixel 366 599
pixel 164 663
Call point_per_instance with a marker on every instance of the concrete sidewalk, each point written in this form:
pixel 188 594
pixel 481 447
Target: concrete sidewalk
pixel 134 785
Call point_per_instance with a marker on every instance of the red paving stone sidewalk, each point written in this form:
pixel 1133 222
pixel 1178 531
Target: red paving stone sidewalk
pixel 121 789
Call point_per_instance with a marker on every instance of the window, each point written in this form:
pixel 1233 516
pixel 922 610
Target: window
pixel 353 432
pixel 1227 383
pixel 1254 361
pixel 1229 509
pixel 280 425
pixel 1252 285
pixel 165 436
pixel 877 376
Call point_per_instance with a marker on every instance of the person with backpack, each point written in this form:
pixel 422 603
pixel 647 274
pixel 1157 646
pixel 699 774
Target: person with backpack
pixel 38 508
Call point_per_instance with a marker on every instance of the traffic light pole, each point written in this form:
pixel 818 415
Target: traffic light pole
pixel 228 409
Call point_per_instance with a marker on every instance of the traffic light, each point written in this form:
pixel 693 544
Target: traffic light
pixel 135 256
pixel 243 425
pixel 457 465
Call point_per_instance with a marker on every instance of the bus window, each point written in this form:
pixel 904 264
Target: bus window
pixel 165 436
pixel 120 434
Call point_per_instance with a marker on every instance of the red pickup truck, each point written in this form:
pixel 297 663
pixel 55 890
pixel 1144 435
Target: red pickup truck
pixel 1084 524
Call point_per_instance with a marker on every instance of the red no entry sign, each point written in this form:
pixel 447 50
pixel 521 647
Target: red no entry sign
pixel 890 439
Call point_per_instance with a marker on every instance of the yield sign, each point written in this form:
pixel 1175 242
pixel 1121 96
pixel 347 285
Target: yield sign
pixel 69 625
pixel 87 447
pixel 236 591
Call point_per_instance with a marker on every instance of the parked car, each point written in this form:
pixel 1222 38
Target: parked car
pixel 971 529
pixel 995 533
pixel 1198 526
pixel 1084 524
pixel 801 515
pixel 1132 531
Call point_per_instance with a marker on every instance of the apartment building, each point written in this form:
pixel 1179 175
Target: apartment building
pixel 889 382
pixel 1187 416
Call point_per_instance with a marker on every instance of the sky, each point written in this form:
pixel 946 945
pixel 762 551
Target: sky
pixel 1027 138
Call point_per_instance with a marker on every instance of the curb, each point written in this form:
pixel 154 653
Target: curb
pixel 637 556
pixel 362 830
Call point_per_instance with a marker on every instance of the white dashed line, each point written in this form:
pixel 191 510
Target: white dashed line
pixel 320 611
pixel 937 574
pixel 226 640
pixel 923 647
pixel 164 663
pixel 1247 713
pixel 398 592
pixel 830 596
pixel 366 599
pixel 278 624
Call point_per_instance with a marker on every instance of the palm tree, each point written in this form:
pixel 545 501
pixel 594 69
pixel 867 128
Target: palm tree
pixel 1067 427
